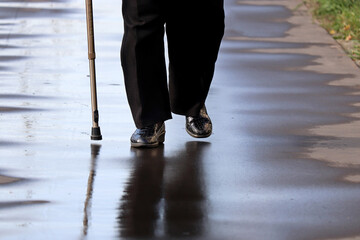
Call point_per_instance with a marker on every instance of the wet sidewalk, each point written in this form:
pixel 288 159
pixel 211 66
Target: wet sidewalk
pixel 283 162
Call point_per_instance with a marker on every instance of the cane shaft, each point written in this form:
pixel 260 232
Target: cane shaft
pixel 96 135
pixel 91 56
pixel 94 107
pixel 90 29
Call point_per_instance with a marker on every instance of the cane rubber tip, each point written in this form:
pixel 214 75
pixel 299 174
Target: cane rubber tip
pixel 96 133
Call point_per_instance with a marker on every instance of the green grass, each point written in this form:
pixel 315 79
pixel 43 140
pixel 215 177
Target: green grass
pixel 355 53
pixel 341 18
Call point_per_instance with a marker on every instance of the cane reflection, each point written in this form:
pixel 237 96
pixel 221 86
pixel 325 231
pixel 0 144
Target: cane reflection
pixel 95 150
pixel 164 200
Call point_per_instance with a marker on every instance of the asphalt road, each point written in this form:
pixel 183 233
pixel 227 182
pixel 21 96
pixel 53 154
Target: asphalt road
pixel 283 162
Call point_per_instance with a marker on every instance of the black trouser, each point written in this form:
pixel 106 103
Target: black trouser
pixel 194 30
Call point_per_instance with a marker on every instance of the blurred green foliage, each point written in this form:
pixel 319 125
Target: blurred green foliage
pixel 340 17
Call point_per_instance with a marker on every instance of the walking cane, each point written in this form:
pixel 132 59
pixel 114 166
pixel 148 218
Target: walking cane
pixel 95 131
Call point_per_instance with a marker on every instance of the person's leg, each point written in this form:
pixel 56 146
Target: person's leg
pixel 194 31
pixel 142 58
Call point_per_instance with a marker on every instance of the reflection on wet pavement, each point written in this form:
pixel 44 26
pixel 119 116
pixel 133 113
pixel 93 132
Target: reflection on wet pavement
pixel 19 204
pixel 95 151
pixel 165 197
pixel 282 162
pixel 6 179
pixel 257 21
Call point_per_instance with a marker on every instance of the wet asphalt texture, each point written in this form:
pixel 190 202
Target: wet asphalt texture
pixel 282 163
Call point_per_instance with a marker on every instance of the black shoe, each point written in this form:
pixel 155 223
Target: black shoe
pixel 150 136
pixel 199 126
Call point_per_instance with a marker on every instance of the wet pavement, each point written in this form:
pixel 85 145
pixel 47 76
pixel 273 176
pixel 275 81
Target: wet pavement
pixel 283 162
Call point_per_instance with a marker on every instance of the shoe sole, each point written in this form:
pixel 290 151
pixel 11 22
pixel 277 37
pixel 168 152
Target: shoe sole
pixel 161 140
pixel 198 136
